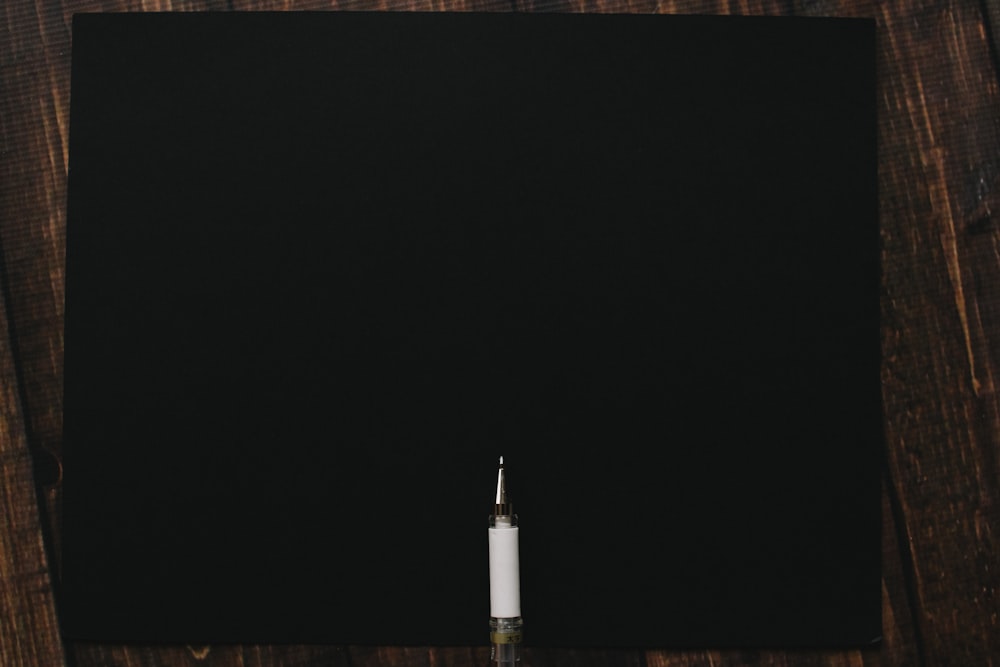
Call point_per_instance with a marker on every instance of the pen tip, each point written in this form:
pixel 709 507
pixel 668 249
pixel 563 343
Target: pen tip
pixel 502 504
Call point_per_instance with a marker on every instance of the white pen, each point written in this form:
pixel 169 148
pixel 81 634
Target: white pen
pixel 505 579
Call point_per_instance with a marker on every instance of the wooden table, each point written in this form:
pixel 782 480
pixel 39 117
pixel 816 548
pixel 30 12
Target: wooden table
pixel 939 182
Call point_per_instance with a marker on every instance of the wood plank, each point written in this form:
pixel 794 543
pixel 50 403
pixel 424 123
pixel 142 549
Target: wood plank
pixel 31 216
pixel 34 73
pixel 34 124
pixel 29 633
pixel 938 179
pixel 899 643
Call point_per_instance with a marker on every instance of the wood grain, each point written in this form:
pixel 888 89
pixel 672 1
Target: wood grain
pixel 939 301
pixel 29 633
pixel 939 179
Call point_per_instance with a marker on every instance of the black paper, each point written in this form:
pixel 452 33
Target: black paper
pixel 324 268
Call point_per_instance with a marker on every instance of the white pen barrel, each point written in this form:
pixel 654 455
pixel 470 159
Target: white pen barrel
pixel 505 575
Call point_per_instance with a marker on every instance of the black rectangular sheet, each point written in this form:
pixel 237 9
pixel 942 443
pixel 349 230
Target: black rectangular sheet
pixel 323 268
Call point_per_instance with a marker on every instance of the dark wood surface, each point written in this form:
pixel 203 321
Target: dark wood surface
pixel 938 107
